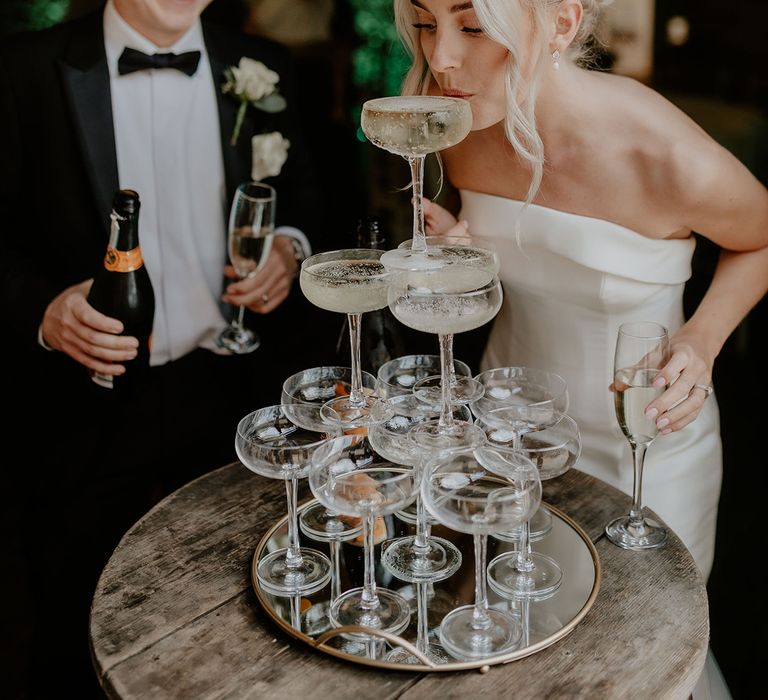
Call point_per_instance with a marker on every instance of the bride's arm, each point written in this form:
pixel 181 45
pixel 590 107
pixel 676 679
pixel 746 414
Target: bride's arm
pixel 720 199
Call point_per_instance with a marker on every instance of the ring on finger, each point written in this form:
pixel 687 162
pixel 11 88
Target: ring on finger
pixel 265 298
pixel 706 388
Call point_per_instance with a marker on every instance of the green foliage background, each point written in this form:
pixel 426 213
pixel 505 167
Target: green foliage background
pixel 380 62
pixel 16 15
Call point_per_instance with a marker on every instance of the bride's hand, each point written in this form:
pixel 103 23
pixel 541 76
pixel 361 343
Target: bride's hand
pixel 689 368
pixel 440 222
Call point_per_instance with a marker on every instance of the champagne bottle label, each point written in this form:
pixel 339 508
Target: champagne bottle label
pixel 123 260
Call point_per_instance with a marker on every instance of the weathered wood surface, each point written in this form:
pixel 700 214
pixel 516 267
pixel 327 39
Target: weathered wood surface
pixel 174 615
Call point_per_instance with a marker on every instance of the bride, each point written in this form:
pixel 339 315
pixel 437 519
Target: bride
pixel 591 184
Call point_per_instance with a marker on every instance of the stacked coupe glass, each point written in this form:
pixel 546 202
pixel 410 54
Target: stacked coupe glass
pixel 423 444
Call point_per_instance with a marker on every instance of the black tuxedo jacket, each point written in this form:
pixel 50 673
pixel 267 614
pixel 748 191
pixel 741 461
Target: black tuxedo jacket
pixel 58 168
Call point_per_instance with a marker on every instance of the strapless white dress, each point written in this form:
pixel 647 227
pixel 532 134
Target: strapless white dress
pixel 568 286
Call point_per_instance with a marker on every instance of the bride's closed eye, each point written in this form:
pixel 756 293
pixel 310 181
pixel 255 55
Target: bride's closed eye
pixel 430 27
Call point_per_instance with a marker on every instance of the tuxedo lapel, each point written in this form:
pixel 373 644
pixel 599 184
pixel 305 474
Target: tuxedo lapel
pixel 85 78
pixel 236 158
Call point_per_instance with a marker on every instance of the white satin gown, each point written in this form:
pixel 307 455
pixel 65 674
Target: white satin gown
pixel 567 287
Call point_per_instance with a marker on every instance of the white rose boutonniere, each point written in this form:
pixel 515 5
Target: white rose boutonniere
pixel 251 82
pixel 270 151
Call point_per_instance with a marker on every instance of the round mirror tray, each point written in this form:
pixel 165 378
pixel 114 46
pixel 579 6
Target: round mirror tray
pixel 543 621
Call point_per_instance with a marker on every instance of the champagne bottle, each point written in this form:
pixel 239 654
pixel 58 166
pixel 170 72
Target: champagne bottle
pixel 381 336
pixel 122 289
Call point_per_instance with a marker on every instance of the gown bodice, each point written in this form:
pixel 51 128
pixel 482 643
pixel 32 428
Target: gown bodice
pixel 569 282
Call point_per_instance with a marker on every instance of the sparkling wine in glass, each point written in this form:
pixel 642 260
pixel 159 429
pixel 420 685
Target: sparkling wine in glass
pixel 642 350
pixel 251 230
pixel 445 301
pixel 350 281
pixel 411 127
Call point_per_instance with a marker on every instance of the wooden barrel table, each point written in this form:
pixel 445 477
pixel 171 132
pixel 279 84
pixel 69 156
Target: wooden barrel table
pixel 175 615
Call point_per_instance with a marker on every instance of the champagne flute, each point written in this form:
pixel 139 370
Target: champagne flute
pixel 642 349
pixel 412 126
pixel 251 229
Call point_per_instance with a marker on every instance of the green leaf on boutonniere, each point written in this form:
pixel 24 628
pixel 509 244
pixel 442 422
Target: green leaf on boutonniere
pixel 272 103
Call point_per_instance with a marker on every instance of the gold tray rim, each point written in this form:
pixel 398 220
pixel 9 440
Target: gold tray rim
pixel 482 664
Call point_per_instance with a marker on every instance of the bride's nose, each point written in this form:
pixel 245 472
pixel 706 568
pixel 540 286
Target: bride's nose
pixel 446 53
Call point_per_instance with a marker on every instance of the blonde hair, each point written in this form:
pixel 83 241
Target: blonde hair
pixel 502 21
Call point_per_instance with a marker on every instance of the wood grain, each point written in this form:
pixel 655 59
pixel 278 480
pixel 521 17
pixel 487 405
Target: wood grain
pixel 174 614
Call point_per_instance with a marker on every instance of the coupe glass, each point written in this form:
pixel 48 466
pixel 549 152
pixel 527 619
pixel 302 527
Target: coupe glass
pixel 303 396
pixel 543 394
pixel 420 557
pixel 399 376
pixel 350 281
pixel 306 392
pixel 434 652
pixel 447 300
pixel 270 444
pixel 480 491
pixel 642 350
pixel 554 449
pixel 412 127
pixel 322 525
pixel 346 478
pixel 251 229
pixel 539 389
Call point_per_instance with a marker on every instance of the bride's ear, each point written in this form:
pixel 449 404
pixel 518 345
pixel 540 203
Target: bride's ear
pixel 566 20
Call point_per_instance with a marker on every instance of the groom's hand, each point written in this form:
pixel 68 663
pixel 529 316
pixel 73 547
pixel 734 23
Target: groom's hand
pixel 71 325
pixel 270 285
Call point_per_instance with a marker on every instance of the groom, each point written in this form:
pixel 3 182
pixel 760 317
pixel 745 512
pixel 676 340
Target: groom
pixel 82 114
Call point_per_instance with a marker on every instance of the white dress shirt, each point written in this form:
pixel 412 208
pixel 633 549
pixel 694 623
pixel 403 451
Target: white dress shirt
pixel 168 146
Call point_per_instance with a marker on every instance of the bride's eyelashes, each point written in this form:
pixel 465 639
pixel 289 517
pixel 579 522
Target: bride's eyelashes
pixel 432 27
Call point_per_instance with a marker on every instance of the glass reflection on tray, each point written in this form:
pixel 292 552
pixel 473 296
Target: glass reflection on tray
pixel 543 621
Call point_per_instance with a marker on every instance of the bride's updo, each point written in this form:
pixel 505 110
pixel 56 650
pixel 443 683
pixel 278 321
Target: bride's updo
pixel 529 56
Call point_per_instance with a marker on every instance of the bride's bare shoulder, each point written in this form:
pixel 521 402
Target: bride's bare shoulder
pixel 643 109
pixel 665 143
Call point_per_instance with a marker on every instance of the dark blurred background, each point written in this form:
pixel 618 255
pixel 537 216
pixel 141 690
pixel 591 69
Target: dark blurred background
pixel 705 55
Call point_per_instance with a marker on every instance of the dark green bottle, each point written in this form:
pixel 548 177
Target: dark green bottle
pixel 122 289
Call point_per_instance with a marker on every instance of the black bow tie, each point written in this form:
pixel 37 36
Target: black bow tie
pixel 131 60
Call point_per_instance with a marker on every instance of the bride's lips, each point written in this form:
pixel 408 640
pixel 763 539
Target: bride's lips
pixel 457 93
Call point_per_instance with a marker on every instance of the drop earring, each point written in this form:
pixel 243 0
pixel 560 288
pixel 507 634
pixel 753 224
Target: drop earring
pixel 556 59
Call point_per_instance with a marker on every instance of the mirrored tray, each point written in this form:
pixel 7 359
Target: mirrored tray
pixel 544 622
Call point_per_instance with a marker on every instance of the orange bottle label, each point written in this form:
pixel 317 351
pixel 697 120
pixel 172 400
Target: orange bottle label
pixel 123 260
